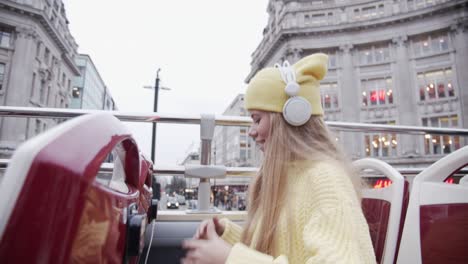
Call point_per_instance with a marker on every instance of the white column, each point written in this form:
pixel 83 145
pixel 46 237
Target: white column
pixel 349 87
pixel 459 35
pixel 18 91
pixel 404 92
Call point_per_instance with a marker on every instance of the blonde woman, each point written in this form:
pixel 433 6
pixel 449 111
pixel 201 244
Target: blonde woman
pixel 304 205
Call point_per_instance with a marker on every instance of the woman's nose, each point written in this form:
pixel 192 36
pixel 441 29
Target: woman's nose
pixel 252 132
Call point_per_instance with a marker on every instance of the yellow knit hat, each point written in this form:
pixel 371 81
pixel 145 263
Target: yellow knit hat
pixel 266 89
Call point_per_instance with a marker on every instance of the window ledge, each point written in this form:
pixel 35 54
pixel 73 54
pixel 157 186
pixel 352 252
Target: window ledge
pixel 378 107
pixel 375 64
pixel 438 101
pixel 435 54
pixel 7 48
pixel 35 103
pixel 333 110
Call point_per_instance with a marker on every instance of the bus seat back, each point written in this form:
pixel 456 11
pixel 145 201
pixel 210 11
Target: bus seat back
pixel 436 224
pixel 53 208
pixel 383 208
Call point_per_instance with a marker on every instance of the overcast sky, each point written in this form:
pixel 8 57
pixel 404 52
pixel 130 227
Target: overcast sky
pixel 202 47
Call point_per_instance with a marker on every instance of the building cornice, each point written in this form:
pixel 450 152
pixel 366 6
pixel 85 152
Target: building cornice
pixel 41 17
pixel 333 5
pixel 265 50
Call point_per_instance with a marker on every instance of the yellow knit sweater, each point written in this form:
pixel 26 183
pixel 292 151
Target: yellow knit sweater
pixel 327 224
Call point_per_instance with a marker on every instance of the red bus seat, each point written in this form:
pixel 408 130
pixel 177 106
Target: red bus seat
pixel 383 208
pixel 436 224
pixel 54 209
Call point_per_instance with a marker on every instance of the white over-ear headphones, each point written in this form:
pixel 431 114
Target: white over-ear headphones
pixel 296 110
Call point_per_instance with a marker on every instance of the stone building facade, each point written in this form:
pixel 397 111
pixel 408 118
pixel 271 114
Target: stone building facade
pixel 397 62
pixel 37 65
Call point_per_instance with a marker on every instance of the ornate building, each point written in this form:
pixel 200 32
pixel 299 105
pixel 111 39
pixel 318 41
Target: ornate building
pixel 391 62
pixel 37 66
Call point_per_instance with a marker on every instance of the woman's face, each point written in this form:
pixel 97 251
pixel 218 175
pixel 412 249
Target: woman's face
pixel 260 128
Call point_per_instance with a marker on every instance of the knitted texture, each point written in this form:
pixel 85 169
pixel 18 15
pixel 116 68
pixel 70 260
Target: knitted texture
pixel 266 89
pixel 322 222
pixel 232 232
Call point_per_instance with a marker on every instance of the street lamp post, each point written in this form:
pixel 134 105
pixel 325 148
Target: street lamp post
pixel 155 109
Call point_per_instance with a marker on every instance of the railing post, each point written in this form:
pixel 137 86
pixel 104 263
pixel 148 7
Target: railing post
pixel 207 125
pixel 205 171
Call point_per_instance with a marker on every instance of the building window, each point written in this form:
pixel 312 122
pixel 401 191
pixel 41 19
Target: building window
pixel 418 4
pixel 38 49
pixel 76 92
pixel 440 144
pixel 306 20
pixel 37 128
pixel 319 19
pixel 430 44
pixel 374 54
pixel 2 75
pixel 381 144
pixel 368 12
pixel 53 18
pixel 33 84
pixel 331 18
pixel 377 92
pixel 243 155
pixel 46 56
pixel 47 95
pixel 5 37
pixel 332 60
pixel 435 85
pixel 56 6
pixel 42 92
pixel 329 95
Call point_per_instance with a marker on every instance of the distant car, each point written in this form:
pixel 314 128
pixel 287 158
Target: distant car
pixel 181 199
pixel 172 203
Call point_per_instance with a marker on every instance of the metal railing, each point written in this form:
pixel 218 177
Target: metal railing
pixel 230 171
pixel 25 112
pixel 221 120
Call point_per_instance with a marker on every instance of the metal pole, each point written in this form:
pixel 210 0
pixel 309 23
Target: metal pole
pixel 153 142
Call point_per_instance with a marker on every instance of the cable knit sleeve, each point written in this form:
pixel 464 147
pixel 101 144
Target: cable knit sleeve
pixel 327 238
pixel 336 231
pixel 331 239
pixel 328 227
pixel 232 232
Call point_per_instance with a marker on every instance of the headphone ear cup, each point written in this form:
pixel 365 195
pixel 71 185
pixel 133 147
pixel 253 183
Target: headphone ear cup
pixel 297 111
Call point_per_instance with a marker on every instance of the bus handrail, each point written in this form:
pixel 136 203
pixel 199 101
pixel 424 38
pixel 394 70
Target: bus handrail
pixel 230 171
pixel 222 120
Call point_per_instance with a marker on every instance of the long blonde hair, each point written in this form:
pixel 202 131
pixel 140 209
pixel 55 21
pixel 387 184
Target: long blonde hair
pixel 267 192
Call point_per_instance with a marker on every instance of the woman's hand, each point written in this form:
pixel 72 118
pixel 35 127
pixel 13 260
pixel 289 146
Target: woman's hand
pixel 201 231
pixel 208 249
